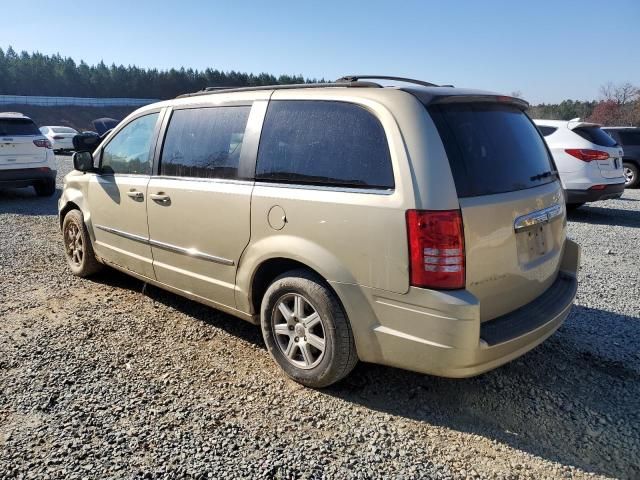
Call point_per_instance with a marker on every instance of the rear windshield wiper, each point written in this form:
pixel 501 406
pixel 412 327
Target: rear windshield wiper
pixel 540 176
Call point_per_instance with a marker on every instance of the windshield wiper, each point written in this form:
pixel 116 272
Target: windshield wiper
pixel 542 175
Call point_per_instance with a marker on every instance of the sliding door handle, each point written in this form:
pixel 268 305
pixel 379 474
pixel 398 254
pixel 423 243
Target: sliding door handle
pixel 160 198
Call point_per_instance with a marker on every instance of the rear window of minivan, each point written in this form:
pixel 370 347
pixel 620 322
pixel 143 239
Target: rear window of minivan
pixel 492 148
pixel 596 135
pixel 17 127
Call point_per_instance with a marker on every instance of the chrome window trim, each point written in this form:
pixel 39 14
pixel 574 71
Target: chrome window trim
pixel 538 217
pixel 330 188
pixel 191 252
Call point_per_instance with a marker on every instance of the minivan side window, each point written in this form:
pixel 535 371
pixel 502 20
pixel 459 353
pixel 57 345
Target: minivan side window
pixel 129 152
pixel 323 143
pixel 204 142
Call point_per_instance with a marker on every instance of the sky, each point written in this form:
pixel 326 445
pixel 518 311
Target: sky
pixel 547 50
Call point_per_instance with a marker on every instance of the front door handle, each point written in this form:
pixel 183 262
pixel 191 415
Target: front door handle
pixel 160 198
pixel 136 195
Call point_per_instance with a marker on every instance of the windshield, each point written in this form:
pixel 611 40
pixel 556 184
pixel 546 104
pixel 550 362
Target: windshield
pixel 492 148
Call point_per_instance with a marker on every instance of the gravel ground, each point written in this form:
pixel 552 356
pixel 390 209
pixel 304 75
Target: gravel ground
pixel 105 378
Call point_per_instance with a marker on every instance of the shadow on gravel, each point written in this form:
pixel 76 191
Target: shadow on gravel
pixel 606 216
pixel 232 325
pixel 562 401
pixel 24 201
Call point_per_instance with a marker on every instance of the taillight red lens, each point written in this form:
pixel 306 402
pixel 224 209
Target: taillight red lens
pixel 436 249
pixel 587 155
pixel 42 143
pixel 598 187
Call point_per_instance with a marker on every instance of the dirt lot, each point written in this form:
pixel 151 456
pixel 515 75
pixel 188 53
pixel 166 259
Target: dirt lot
pixel 107 378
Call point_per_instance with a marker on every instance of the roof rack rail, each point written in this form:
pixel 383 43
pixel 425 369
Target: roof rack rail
pixel 212 90
pixel 355 78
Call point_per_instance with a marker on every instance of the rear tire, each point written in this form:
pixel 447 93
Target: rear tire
pixel 45 188
pixel 306 330
pixel 631 175
pixel 77 245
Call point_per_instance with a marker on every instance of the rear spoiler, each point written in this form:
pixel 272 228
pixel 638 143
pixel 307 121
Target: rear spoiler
pixel 577 123
pixel 449 99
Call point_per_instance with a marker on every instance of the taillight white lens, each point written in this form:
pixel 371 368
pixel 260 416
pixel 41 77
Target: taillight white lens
pixel 436 249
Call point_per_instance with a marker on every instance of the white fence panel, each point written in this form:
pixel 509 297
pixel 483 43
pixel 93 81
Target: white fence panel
pixel 74 101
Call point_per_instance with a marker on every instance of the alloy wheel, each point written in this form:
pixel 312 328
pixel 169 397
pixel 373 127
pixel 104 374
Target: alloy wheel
pixel 629 176
pixel 73 244
pixel 299 331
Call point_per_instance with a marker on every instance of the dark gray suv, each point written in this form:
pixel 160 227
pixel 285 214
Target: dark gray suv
pixel 629 138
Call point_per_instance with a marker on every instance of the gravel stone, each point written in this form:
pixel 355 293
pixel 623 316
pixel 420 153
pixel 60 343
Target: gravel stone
pixel 106 378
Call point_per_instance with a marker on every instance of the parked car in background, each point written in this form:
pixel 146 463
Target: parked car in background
pixel 26 157
pixel 104 125
pixel 629 138
pixel 61 138
pixel 588 160
pixel 422 227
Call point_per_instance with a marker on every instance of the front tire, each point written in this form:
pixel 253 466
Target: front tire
pixel 77 245
pixel 306 330
pixel 631 175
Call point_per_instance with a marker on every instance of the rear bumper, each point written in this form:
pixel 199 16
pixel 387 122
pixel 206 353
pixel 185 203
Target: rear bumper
pixel 25 177
pixel 614 190
pixel 440 333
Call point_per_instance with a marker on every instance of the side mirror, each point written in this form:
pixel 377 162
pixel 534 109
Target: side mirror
pixel 83 161
pixel 86 142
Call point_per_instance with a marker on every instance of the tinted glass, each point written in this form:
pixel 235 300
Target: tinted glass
pixel 629 137
pixel 204 142
pixel 130 150
pixel 17 127
pixel 596 135
pixel 546 131
pixel 492 148
pixel 323 143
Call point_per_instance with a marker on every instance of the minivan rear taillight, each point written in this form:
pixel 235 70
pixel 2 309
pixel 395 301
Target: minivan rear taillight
pixel 42 142
pixel 436 249
pixel 587 155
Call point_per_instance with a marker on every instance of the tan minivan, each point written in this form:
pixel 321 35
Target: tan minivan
pixel 413 225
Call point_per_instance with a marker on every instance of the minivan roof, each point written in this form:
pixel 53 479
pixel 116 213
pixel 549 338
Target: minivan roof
pixel 426 92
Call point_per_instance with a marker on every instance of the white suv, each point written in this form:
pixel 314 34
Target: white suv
pixel 26 157
pixel 588 160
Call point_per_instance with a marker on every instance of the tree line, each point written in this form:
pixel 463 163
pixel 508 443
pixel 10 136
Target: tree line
pixel 619 104
pixel 54 75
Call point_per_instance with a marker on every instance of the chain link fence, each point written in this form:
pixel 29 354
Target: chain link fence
pixel 76 101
